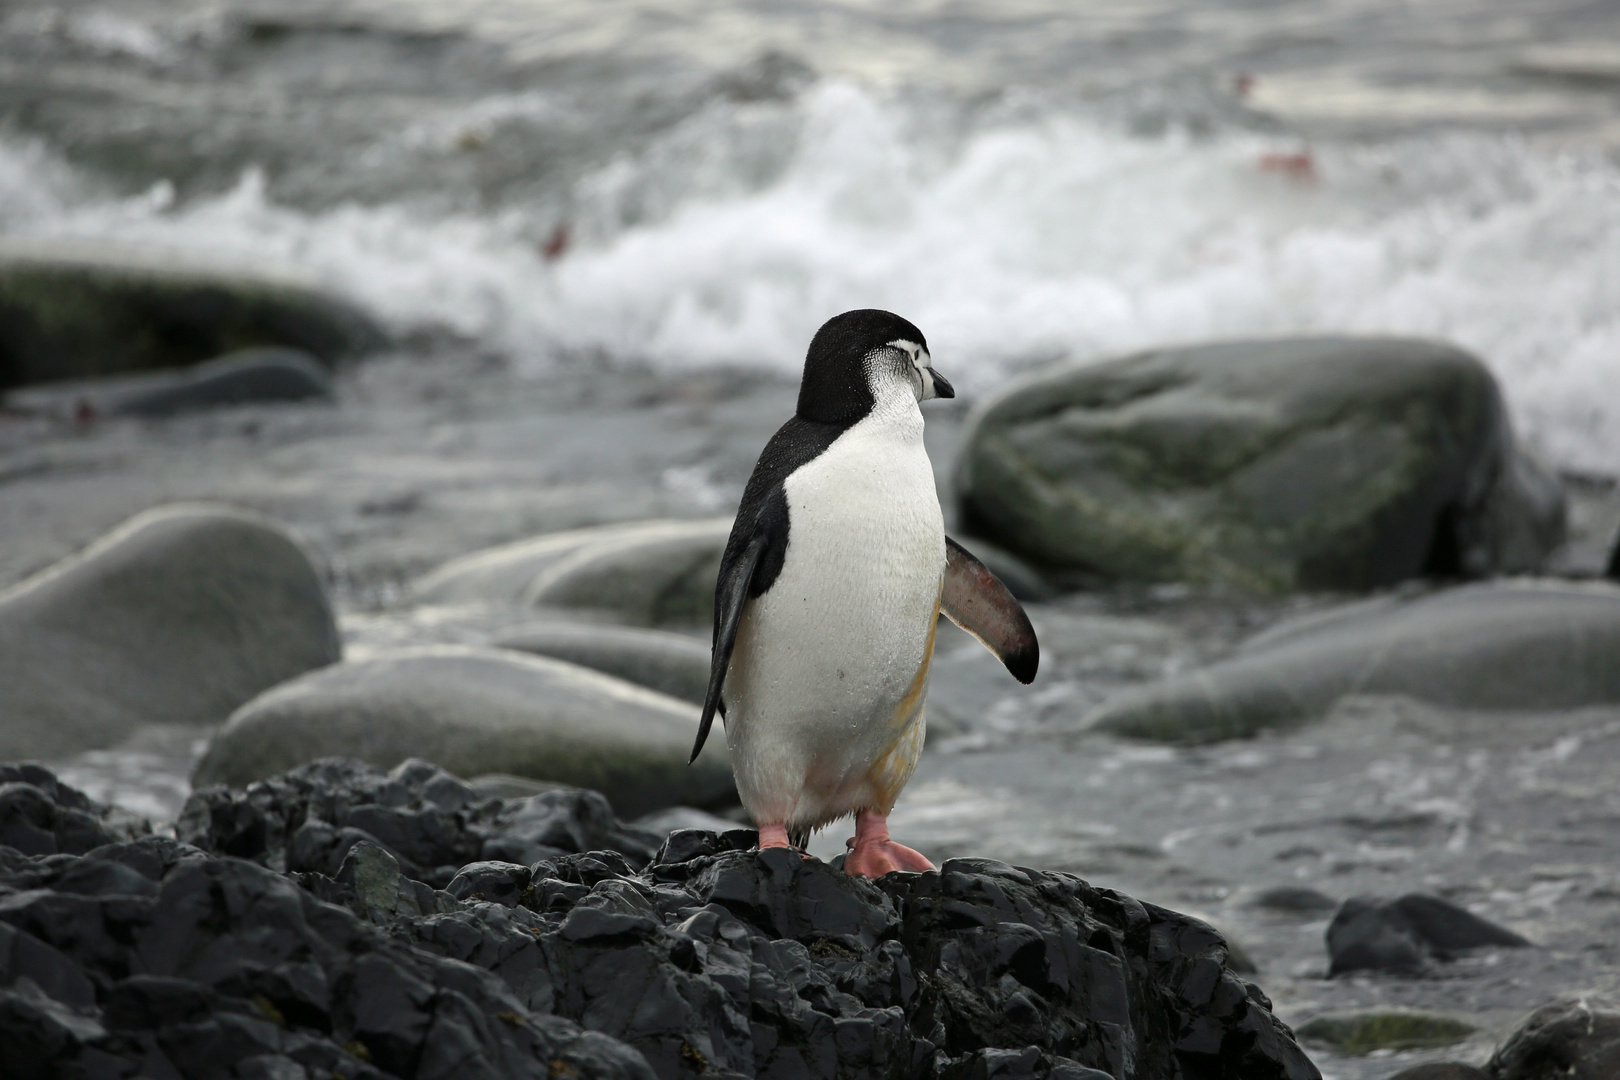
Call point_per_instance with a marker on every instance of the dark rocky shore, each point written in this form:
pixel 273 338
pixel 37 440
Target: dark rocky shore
pixel 288 931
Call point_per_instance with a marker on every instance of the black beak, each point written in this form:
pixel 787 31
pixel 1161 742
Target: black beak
pixel 942 385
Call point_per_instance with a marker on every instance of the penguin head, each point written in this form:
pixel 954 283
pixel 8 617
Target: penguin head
pixel 861 356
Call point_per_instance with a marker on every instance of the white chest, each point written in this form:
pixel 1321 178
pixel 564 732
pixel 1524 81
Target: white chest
pixel 842 631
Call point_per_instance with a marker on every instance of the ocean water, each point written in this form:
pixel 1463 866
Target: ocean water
pixel 688 185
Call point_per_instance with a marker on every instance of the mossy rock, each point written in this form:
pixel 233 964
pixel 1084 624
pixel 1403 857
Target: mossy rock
pixel 71 312
pixel 1268 466
pixel 1355 1032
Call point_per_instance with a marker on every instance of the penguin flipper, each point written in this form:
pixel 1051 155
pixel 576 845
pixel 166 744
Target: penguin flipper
pixel 977 601
pixel 730 594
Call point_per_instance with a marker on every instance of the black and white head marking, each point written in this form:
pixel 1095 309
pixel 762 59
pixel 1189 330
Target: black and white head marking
pixel 910 361
pixel 855 354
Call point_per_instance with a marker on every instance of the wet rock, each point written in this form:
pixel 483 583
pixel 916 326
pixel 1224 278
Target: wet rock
pixel 673 664
pixel 1031 1062
pixel 1355 1032
pixel 647 573
pixel 1319 463
pixel 1406 934
pixel 225 968
pixel 497 882
pixel 178 616
pixel 661 574
pixel 240 378
pixel 712 959
pixel 1293 898
pixel 345 819
pixel 499 575
pixel 376 888
pixel 40 815
pixel 73 312
pixel 1566 1040
pixel 477 711
pixel 1442 1070
pixel 1523 645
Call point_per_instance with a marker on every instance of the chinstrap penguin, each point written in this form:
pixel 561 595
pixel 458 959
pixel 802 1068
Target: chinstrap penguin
pixel 829 593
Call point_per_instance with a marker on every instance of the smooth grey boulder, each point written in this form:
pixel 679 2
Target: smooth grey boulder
pixel 1269 466
pixel 1530 645
pixel 498 575
pixel 244 377
pixel 75 310
pixel 178 616
pixel 477 711
pixel 647 573
pixel 672 664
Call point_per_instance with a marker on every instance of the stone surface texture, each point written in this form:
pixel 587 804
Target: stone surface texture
pixel 1269 466
pixel 479 711
pixel 646 573
pixel 1407 934
pixel 70 312
pixel 673 664
pixel 159 958
pixel 244 377
pixel 1362 1031
pixel 178 616
pixel 1525 645
pixel 1575 1039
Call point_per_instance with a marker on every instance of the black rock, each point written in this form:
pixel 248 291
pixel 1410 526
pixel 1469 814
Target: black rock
pixel 713 959
pixel 1407 933
pixel 1563 1040
pixel 1444 1070
pixel 429 821
pixel 40 815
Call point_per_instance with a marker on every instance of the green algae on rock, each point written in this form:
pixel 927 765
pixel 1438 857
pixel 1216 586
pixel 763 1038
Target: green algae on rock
pixel 1268 466
pixel 77 310
pixel 1361 1031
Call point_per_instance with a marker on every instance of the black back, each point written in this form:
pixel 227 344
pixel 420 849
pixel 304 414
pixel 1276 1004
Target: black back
pixel 833 397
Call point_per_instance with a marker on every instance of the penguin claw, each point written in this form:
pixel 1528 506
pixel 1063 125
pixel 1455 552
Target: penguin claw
pixel 872 854
pixel 873 860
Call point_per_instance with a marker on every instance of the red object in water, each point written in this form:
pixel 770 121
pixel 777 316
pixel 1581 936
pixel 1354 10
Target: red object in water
pixel 83 411
pixel 1300 166
pixel 556 243
pixel 1242 84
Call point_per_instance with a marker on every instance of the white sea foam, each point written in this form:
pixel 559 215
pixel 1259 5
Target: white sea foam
pixel 1039 233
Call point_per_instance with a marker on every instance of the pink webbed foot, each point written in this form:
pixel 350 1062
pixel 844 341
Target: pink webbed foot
pixel 872 854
